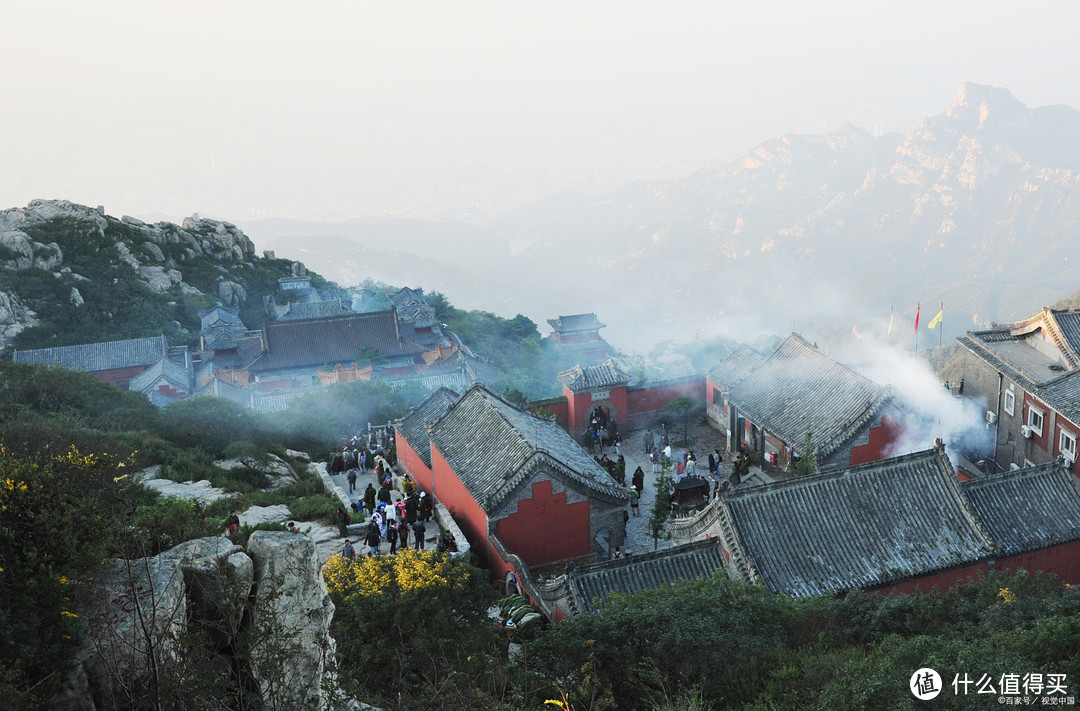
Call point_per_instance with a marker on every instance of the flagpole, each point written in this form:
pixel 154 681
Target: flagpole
pixel 940 324
pixel 891 314
pixel 917 309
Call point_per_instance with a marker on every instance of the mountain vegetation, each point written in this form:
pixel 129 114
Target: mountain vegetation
pixel 71 447
pixel 525 362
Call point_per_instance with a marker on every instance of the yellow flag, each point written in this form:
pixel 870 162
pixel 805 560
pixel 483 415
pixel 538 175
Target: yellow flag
pixel 937 319
pixel 890 322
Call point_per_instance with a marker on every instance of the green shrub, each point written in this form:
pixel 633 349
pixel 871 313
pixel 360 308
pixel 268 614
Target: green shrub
pixel 315 508
pixel 189 465
pixel 167 522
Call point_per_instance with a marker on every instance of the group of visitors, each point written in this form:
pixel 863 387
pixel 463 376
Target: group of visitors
pixel 364 454
pixel 616 468
pixel 393 531
pixel 603 433
pixel 397 533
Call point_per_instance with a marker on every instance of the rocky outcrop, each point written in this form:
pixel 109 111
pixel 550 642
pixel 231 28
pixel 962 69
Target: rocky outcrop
pixel 19 251
pixel 231 293
pixel 293 606
pixel 155 253
pixel 207 610
pixel 276 469
pixel 14 317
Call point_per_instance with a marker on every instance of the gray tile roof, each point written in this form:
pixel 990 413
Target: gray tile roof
pixel 493 447
pixel 414 426
pixel 315 309
pixel 736 366
pixel 647 571
pixel 603 375
pixel 1063 394
pixel 856 528
pixel 413 308
pixel 1027 509
pixel 95 357
pixel 1069 324
pixel 314 342
pixel 976 342
pixel 220 327
pixel 164 371
pixel 1060 327
pixel 575 323
pixel 219 388
pixel 797 389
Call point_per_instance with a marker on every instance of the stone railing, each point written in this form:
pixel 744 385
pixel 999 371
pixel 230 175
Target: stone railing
pixel 703 524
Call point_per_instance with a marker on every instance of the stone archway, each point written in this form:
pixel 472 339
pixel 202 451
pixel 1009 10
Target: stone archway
pixel 606 409
pixel 511 583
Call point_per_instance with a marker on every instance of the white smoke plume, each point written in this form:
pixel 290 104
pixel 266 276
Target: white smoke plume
pixel 957 421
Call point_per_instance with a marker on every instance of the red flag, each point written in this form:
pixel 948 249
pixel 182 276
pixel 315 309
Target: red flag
pixel 917 317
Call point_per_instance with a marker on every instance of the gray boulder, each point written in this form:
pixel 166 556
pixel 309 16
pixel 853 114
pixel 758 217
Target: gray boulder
pixel 293 608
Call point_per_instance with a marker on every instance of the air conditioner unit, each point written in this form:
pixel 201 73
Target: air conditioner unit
pixel 1025 431
pixel 991 417
pixel 1069 457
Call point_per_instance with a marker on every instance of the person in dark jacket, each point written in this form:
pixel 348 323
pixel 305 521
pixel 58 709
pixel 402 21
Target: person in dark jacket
pixel 419 530
pixel 392 535
pixel 369 498
pixel 373 538
pixel 403 532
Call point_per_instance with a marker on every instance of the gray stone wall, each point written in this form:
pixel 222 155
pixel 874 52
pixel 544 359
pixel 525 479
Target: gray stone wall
pixel 981 385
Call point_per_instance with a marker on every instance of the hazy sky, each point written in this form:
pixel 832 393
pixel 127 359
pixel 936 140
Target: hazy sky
pixel 328 110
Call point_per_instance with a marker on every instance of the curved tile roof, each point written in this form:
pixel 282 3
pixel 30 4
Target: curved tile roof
pixel 493 446
pixel 857 528
pixel 603 375
pixel 798 389
pixel 1027 509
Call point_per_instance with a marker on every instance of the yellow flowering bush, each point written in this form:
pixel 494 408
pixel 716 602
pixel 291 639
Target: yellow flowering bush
pixel 404 618
pixel 410 571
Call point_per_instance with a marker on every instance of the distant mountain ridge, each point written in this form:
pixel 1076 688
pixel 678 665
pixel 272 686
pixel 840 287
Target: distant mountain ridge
pixel 977 208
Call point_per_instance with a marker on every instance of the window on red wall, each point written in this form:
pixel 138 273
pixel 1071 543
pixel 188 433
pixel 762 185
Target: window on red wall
pixel 1035 419
pixel 1067 445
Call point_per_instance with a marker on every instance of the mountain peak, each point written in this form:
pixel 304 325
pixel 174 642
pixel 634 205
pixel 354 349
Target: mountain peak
pixel 979 103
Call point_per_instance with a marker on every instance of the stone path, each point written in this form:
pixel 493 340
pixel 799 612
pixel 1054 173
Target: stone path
pixel 362 480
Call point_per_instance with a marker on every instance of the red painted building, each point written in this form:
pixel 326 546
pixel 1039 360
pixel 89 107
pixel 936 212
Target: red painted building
pixel 602 391
pixel 504 472
pixel 411 438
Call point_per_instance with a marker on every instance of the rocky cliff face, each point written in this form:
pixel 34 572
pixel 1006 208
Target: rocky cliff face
pixel 205 617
